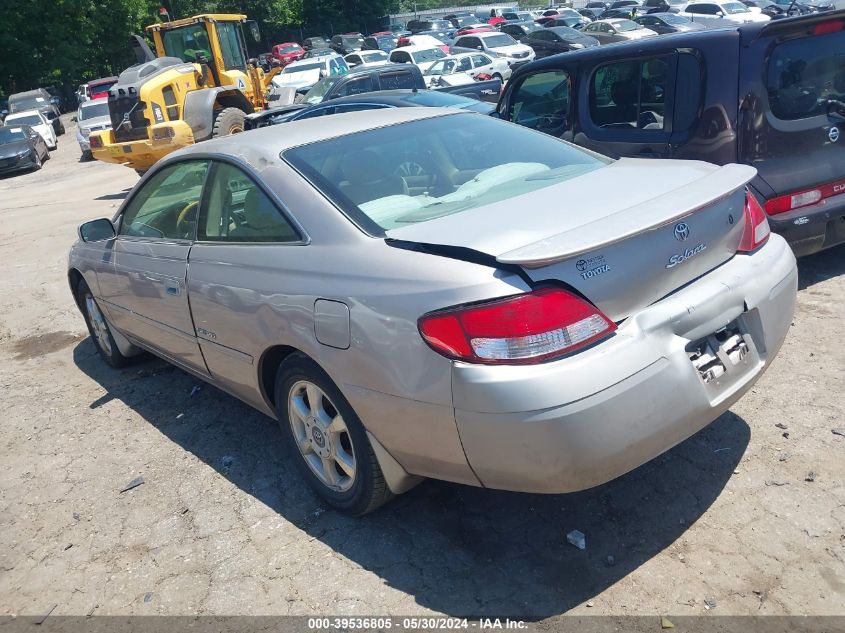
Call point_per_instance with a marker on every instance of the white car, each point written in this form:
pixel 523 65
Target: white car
pixel 721 13
pixel 92 116
pixel 424 41
pixel 38 122
pixel 499 44
pixel 423 56
pixel 367 59
pixel 469 64
pixel 304 73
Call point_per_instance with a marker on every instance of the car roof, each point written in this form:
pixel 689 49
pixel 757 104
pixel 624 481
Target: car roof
pixel 269 142
pixel 91 102
pixel 29 93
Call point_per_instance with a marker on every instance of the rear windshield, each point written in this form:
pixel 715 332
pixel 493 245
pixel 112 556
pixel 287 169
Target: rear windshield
pixel 386 177
pixel 805 74
pixel 497 41
pixel 428 55
pixel 27 103
pixel 734 7
pixel 626 25
pixel 289 70
pixel 671 18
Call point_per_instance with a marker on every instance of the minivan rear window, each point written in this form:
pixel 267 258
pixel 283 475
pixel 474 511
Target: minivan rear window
pixel 804 74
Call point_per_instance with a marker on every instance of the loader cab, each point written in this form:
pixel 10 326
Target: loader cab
pixel 215 41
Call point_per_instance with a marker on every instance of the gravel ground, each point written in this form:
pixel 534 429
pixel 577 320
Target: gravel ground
pixel 222 525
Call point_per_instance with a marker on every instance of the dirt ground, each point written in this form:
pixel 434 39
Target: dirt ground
pixel 745 514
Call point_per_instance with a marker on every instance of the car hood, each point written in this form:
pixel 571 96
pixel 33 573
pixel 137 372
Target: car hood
pixel 300 79
pixel 98 123
pixel 7 150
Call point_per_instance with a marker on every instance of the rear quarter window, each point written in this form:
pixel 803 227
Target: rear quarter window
pixel 804 74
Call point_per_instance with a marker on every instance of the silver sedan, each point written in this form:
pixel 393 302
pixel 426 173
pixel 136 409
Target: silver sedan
pixel 430 293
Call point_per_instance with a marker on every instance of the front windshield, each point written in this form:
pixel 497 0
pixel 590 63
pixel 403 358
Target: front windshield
pixel 93 111
pixel 362 173
pixel 300 68
pixel 319 90
pixel 626 25
pixel 498 41
pixel 734 7
pixel 188 43
pixel 443 67
pixel 291 49
pixel 27 119
pixel 28 103
pixel 427 55
pixel 11 135
pixel 353 41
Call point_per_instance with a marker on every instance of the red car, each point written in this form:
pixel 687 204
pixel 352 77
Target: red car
pixel 287 53
pixel 100 87
pixel 496 20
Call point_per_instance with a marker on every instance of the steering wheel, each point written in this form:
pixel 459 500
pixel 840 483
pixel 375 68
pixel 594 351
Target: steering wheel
pixel 183 223
pixel 409 168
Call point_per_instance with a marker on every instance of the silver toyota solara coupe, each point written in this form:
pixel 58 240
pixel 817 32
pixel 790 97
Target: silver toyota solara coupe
pixel 430 293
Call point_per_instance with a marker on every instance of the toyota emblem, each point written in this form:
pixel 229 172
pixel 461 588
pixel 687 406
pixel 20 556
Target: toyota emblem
pixel 833 134
pixel 681 232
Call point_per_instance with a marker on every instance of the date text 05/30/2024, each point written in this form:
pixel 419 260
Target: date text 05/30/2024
pixel 413 623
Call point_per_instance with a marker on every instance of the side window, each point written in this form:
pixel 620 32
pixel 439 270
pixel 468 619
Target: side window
pixel 477 60
pixel 230 45
pixel 630 94
pixel 472 42
pixel 541 102
pixel 239 211
pixel 356 87
pixel 400 80
pixel 311 113
pixel 353 59
pixel 166 206
pixel 400 57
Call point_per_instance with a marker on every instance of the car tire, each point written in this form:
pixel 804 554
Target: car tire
pixel 38 163
pixel 99 328
pixel 229 121
pixel 499 77
pixel 343 469
pixel 87 155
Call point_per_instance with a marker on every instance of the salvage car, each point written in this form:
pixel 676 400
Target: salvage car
pixel 21 148
pixel 504 320
pixel 720 13
pixel 499 44
pixel 92 116
pixel 558 39
pixel 616 30
pixel 777 103
pixel 38 122
pixel 471 65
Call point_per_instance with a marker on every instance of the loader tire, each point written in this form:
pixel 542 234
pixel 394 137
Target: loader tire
pixel 229 121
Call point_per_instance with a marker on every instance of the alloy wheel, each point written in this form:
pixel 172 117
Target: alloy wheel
pixel 98 324
pixel 321 435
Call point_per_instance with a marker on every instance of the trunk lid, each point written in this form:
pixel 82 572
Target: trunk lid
pixel 624 235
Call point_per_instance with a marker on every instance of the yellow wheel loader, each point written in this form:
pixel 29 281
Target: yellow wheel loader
pixel 199 85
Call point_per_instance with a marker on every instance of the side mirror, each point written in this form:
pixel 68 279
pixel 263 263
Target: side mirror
pixel 479 48
pixel 254 31
pixel 97 230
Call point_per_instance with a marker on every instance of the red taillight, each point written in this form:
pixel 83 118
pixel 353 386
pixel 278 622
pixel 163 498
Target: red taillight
pixel 799 199
pixel 757 230
pixel 828 27
pixel 95 142
pixel 527 328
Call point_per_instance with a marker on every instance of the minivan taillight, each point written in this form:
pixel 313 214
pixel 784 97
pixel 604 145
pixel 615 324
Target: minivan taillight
pixel 757 230
pixel 523 329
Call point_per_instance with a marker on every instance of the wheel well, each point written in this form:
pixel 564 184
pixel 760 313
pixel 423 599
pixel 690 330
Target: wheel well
pixel 268 367
pixel 74 277
pixel 232 100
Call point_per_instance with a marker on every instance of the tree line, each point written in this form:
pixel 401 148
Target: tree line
pixel 63 43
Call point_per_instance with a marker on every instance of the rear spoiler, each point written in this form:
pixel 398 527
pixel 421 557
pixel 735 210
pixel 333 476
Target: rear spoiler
pixel 631 221
pixel 803 24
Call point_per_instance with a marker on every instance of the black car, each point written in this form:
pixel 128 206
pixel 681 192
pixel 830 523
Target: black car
pixel 621 12
pixel 597 5
pixel 345 44
pixel 557 39
pixel 41 100
pixel 805 7
pixel 370 101
pixel 569 21
pixel 314 43
pixel 419 26
pixel 518 30
pixel 662 23
pixel 384 43
pixel 662 6
pixel 592 13
pixel 21 148
pixel 659 97
pixel 772 9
